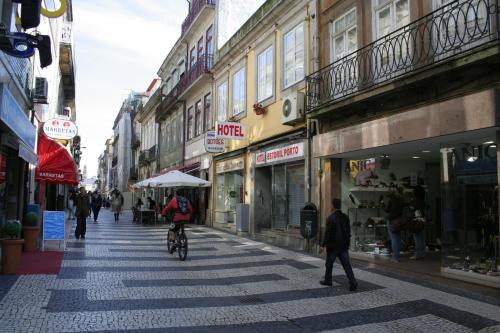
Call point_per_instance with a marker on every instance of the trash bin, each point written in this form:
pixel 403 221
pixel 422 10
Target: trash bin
pixel 242 212
pixel 309 220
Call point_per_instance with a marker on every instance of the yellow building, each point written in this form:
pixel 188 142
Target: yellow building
pixel 259 82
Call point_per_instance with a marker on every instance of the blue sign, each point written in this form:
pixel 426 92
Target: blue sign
pixel 53 225
pixel 14 117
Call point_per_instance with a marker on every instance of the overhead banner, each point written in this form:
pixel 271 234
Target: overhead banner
pixel 213 144
pixel 227 130
pixel 60 129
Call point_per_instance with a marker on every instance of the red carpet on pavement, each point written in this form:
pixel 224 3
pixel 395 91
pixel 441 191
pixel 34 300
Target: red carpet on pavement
pixel 48 262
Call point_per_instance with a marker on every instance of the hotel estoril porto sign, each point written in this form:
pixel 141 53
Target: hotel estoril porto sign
pixel 60 129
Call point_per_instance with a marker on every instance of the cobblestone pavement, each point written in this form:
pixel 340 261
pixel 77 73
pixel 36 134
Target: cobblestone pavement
pixel 121 278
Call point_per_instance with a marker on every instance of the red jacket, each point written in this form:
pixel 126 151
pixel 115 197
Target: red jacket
pixel 178 215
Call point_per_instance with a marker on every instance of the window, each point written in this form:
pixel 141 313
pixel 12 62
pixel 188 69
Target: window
pixel 179 126
pixel 265 74
pixel 222 102
pixel 207 100
pixel 190 124
pixel 209 47
pixel 390 16
pixel 192 57
pixel 198 121
pixel 344 36
pixel 200 48
pixel 239 92
pixel 293 53
pixel 167 136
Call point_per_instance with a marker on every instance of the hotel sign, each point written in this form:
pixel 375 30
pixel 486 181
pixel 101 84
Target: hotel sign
pixel 60 129
pixel 280 154
pixel 229 130
pixel 214 144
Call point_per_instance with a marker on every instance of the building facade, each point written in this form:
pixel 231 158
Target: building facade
pixel 405 99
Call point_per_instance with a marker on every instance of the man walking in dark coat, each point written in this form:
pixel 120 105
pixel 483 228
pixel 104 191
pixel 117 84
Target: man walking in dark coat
pixel 336 242
pixel 82 211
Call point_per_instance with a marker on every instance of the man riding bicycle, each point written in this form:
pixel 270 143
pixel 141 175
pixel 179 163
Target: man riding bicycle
pixel 183 211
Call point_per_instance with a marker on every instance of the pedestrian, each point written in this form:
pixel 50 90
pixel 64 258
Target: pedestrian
pixel 183 212
pixel 336 242
pixel 417 225
pixel 96 203
pixel 71 204
pixel 394 207
pixel 152 203
pixel 82 211
pixel 117 203
pixel 89 195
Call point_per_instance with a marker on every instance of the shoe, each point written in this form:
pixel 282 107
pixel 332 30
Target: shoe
pixel 395 261
pixel 326 283
pixel 172 249
pixel 82 237
pixel 416 258
pixel 353 287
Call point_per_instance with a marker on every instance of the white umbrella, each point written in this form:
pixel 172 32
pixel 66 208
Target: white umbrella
pixel 173 178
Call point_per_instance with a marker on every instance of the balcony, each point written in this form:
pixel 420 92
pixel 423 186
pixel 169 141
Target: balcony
pixel 142 158
pixel 166 105
pixel 196 8
pixel 67 63
pixel 151 154
pixel 451 33
pixel 192 76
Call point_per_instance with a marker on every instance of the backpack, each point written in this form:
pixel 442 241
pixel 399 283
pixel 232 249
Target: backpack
pixel 182 205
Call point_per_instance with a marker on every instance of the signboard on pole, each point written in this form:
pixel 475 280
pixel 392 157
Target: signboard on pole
pixel 229 130
pixel 60 129
pixel 53 226
pixel 214 144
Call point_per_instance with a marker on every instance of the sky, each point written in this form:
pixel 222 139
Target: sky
pixel 119 46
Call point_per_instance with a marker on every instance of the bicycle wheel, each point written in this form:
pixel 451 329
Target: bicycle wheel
pixel 182 246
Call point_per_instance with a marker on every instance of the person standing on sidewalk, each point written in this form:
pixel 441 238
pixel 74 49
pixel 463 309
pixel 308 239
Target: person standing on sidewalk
pixel 336 242
pixel 82 211
pixel 96 203
pixel 116 204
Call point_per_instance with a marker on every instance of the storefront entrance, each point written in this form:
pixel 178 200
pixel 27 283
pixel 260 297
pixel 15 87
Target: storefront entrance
pixel 452 182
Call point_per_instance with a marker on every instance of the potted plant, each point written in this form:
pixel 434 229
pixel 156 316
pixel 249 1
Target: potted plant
pixel 30 232
pixel 12 248
pixel 259 109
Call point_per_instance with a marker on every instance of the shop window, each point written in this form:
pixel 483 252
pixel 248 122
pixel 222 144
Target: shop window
pixel 229 192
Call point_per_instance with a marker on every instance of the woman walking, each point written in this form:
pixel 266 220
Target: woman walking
pixel 116 204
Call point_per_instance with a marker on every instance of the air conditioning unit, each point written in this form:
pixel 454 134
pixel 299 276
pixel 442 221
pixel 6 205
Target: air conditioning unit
pixel 40 93
pixel 293 109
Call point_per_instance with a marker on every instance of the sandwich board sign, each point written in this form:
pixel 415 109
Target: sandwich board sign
pixel 53 227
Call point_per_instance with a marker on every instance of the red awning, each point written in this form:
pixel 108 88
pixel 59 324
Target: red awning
pixel 55 164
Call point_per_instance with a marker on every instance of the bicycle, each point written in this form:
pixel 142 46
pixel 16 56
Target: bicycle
pixel 180 242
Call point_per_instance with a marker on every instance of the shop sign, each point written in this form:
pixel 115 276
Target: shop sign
pixel 214 144
pixel 357 166
pixel 230 165
pixel 280 154
pixel 260 158
pixel 60 129
pixel 227 130
pixel 14 117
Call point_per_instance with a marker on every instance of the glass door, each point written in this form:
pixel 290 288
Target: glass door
pixel 279 198
pixel 296 193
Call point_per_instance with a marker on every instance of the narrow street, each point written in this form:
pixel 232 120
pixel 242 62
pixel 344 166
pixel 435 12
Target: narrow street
pixel 122 278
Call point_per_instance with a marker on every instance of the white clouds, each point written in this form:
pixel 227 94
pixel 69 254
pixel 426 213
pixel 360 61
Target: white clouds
pixel 119 46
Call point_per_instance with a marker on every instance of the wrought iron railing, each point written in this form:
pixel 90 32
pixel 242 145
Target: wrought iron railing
pixel 447 32
pixel 142 157
pixel 196 7
pixel 151 155
pixel 203 65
